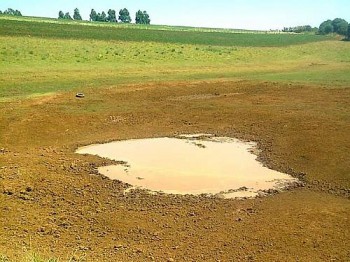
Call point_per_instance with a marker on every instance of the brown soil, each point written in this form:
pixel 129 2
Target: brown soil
pixel 53 202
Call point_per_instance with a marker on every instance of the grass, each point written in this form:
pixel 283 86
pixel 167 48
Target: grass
pixel 132 26
pixel 31 256
pixel 153 34
pixel 33 65
pixel 40 56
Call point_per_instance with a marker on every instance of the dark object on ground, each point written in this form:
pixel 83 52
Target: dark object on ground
pixel 80 95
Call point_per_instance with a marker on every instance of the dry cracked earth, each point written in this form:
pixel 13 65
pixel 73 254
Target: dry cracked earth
pixel 54 203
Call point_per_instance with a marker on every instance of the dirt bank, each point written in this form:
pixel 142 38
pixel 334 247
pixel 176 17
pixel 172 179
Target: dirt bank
pixel 53 202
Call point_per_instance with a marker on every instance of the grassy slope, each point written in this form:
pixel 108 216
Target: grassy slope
pixel 73 56
pixel 107 32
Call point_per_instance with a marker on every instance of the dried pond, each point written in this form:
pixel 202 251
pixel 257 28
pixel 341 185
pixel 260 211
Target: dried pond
pixel 190 164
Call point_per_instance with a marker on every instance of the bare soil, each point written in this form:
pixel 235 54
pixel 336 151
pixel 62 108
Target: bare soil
pixel 53 202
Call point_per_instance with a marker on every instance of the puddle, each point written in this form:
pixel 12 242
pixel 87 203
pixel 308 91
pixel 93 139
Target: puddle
pixel 190 164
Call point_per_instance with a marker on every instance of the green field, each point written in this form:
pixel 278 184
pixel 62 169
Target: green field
pixel 107 32
pixel 42 57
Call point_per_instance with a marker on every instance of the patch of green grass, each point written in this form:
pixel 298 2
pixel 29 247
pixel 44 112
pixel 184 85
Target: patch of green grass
pixel 135 26
pixel 331 78
pixel 34 257
pixel 40 65
pixel 138 34
pixel 31 256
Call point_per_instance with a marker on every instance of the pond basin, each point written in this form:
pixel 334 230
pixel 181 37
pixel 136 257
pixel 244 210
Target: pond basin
pixel 190 164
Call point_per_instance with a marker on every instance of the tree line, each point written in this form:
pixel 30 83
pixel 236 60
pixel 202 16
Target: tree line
pixel 10 11
pixel 141 17
pixel 338 26
pixel 76 15
pixel 300 29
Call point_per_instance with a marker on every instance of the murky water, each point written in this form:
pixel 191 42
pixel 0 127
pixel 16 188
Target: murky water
pixel 190 164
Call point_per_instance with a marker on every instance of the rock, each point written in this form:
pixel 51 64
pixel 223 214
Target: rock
pixel 29 189
pixel 250 210
pixel 138 250
pixel 119 246
pixel 192 214
pixel 84 248
pixel 8 191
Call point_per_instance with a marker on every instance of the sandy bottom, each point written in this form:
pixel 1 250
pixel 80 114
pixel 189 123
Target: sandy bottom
pixel 190 164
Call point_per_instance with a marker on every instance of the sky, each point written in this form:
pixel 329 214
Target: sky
pixel 238 14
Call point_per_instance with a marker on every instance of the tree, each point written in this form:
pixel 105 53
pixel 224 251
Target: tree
pixel 103 17
pixel 13 12
pixel 349 32
pixel 60 15
pixel 67 16
pixel 93 15
pixel 124 16
pixel 112 17
pixel 326 27
pixel 139 17
pixel 18 13
pixel 299 29
pixel 9 11
pixel 76 14
pixel 340 26
pixel 0 12
pixel 142 18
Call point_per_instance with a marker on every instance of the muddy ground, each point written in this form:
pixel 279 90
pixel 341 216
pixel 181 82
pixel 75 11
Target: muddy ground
pixel 53 202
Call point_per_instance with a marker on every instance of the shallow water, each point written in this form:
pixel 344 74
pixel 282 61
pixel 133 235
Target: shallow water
pixel 190 164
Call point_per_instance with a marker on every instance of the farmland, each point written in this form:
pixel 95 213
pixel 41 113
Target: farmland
pixel 289 93
pixel 104 52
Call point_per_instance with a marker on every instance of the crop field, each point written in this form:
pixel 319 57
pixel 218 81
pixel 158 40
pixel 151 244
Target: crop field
pixel 136 33
pixel 287 92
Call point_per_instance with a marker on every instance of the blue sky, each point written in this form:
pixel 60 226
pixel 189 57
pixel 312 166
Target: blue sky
pixel 245 14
